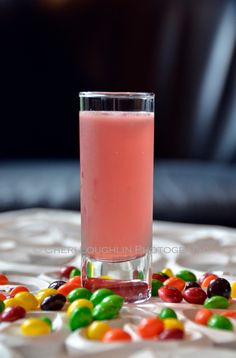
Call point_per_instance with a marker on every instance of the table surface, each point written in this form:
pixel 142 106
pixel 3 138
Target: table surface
pixel 35 243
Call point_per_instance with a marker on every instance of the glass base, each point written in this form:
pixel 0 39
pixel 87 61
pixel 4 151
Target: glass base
pixel 130 279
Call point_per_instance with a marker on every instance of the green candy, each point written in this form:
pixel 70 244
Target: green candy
pixel 99 295
pixel 75 272
pixel 79 293
pixel 187 276
pixel 220 322
pixel 104 311
pixel 167 313
pixel 156 284
pixel 116 300
pixel 80 317
pixel 47 320
pixel 2 306
pixel 216 302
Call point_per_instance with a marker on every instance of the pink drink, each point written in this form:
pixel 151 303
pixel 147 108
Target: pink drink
pixel 116 159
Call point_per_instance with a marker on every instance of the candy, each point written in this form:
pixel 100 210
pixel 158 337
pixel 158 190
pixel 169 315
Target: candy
pixel 170 294
pixel 202 316
pixel 159 276
pixel 171 333
pixel 75 280
pixel 168 272
pixel 75 272
pixel 65 271
pixel 10 302
pixel 41 295
pixel 116 334
pixel 175 282
pixel 53 302
pixel 80 317
pixel 167 313
pixel 186 275
pixel 230 314
pixel 219 287
pixel 26 300
pixel 115 300
pixel 97 330
pixel 203 276
pixel 2 306
pixel 82 302
pixel 2 297
pixel 35 327
pixel 156 284
pixel 191 284
pixel 3 279
pixel 216 302
pixel 150 327
pixel 207 280
pixel 170 323
pixel 47 320
pixel 220 322
pixel 18 289
pixel 104 311
pixel 67 288
pixel 79 293
pixel 11 314
pixel 56 284
pixel 99 295
pixel 233 289
pixel 195 295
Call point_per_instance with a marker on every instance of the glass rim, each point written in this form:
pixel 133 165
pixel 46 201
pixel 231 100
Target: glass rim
pixel 127 95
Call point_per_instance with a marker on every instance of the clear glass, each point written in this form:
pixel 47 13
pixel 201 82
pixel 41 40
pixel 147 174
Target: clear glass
pixel 116 171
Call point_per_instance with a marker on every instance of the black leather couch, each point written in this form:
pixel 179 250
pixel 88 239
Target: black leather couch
pixel 183 50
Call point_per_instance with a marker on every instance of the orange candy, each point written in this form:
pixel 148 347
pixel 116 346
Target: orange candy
pixel 207 280
pixel 229 314
pixel 18 289
pixel 75 280
pixel 202 316
pixel 66 288
pixel 2 297
pixel 150 327
pixel 116 334
pixel 175 282
pixel 3 279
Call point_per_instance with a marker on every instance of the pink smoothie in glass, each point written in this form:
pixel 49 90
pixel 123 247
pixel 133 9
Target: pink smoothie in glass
pixel 116 170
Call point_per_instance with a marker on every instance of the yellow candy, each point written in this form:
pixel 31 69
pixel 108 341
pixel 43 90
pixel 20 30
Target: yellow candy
pixel 35 327
pixel 44 293
pixel 97 330
pixel 81 302
pixel 170 323
pixel 26 300
pixel 9 302
pixel 168 271
pixel 233 289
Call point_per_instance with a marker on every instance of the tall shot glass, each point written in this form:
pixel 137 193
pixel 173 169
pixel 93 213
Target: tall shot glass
pixel 116 176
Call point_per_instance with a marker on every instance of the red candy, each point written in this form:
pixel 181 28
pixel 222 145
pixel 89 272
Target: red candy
pixel 195 295
pixel 202 277
pixel 159 276
pixel 171 333
pixel 170 294
pixel 229 314
pixel 65 271
pixel 175 282
pixel 66 288
pixel 11 314
pixel 18 289
pixel 150 327
pixel 116 334
pixel 3 279
pixel 2 297
pixel 202 316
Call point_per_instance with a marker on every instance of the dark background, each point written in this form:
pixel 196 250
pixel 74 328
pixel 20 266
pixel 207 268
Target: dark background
pixel 183 50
